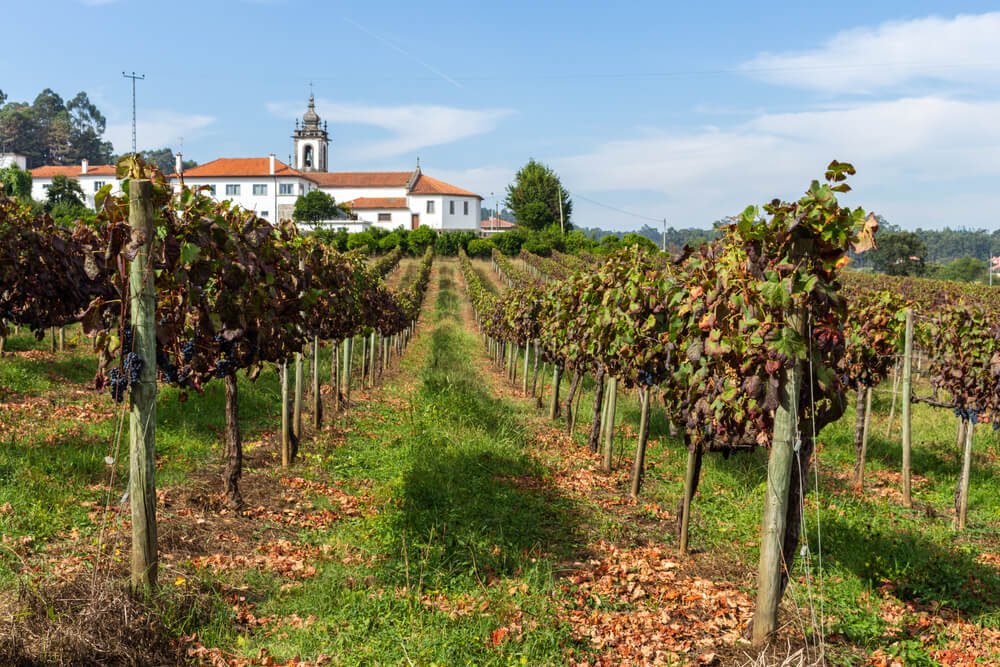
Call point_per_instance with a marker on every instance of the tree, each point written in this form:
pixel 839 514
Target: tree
pixel 52 131
pixel 639 239
pixel 480 248
pixel 66 191
pixel 900 254
pixel 314 206
pixel 510 242
pixel 535 195
pixel 421 238
pixel 963 269
pixel 165 160
pixel 16 182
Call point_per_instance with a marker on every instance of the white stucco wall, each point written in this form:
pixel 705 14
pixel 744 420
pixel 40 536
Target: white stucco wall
pixel 343 195
pixel 460 220
pixel 266 205
pixel 90 184
pixel 399 218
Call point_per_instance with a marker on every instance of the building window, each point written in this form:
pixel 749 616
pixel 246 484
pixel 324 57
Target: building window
pixel 265 214
pixel 260 189
pixel 465 205
pixel 430 205
pixel 98 185
pixel 232 189
pixel 451 207
pixel 286 189
pixel 211 189
pixel 385 217
pixel 300 188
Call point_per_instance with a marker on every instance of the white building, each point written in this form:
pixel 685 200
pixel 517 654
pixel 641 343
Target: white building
pixel 407 199
pixel 90 177
pixel 265 185
pixel 268 186
pixel 13 160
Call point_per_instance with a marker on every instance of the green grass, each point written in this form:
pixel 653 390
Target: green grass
pixel 464 514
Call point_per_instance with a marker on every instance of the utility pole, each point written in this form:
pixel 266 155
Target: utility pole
pixel 562 223
pixel 663 237
pixel 135 77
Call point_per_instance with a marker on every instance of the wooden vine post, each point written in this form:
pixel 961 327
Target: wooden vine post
pixel 905 405
pixel 524 374
pixel 779 474
pixel 693 469
pixel 348 353
pixel 142 422
pixel 639 464
pixel 554 404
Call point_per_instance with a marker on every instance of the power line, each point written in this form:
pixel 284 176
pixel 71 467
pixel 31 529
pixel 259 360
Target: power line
pixel 619 210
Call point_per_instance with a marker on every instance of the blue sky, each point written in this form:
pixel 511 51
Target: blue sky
pixel 683 111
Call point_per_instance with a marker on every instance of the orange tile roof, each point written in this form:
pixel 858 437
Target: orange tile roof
pixel 240 166
pixel 362 179
pixel 72 171
pixel 377 202
pixel 426 185
pixel 496 223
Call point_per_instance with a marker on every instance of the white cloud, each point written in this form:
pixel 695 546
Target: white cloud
pixel 481 180
pixel 411 127
pixel 907 153
pixel 962 49
pixel 156 129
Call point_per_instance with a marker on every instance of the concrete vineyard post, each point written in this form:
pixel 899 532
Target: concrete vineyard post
pixel 285 423
pixel 905 406
pixel 142 422
pixel 609 424
pixel 297 409
pixel 317 403
pixel 963 496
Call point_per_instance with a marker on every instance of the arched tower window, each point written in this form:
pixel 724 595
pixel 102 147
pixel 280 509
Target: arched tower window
pixel 307 156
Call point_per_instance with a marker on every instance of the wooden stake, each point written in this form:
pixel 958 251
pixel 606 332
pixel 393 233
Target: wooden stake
pixel 690 480
pixel 779 469
pixel 556 380
pixel 524 374
pixel 142 422
pixel 639 464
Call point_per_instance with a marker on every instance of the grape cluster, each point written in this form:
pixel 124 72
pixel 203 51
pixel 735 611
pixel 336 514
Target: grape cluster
pixel 645 378
pixel 117 384
pixel 132 365
pixel 224 367
pixel 187 351
pixel 970 414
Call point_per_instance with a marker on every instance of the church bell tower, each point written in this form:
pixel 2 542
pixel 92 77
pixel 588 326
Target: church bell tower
pixel 311 141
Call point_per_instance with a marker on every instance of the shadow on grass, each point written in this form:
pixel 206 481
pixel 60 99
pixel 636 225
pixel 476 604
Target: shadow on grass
pixel 916 568
pixel 474 504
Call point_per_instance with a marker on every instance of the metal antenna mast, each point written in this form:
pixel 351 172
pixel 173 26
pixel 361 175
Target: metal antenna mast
pixel 134 78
